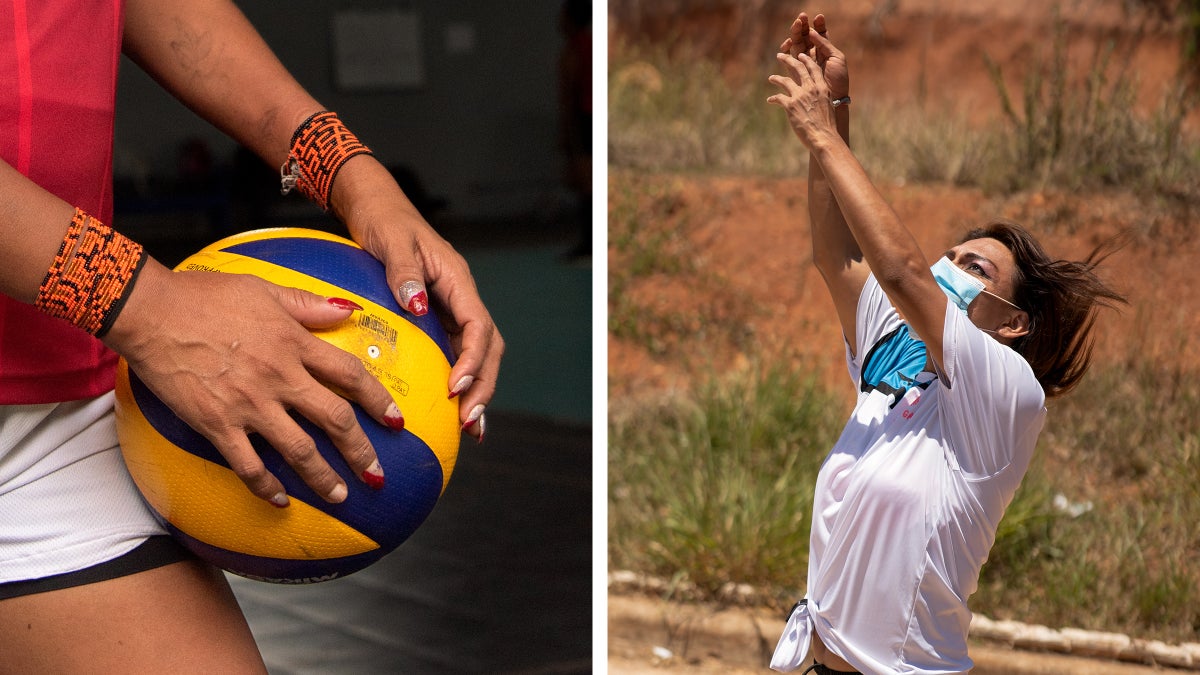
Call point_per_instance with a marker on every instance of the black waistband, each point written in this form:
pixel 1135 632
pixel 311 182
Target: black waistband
pixel 822 669
pixel 155 552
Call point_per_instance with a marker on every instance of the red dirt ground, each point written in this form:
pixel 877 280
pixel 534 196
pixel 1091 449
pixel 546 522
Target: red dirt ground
pixel 749 237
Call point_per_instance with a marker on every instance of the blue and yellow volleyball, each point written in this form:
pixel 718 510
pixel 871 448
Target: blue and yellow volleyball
pixel 206 506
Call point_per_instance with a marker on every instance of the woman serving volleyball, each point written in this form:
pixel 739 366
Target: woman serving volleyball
pixel 953 364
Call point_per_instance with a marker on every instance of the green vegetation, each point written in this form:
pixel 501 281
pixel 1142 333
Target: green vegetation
pixel 716 487
pixel 682 115
pixel 1129 564
pixel 645 248
pixel 1076 135
pixel 666 114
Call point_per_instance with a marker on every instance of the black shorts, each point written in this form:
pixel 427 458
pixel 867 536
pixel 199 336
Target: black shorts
pixel 156 551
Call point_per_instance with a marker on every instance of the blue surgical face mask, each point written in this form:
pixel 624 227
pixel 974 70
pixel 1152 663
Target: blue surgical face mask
pixel 958 285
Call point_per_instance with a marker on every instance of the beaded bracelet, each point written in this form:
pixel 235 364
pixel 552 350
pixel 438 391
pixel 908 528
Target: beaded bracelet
pixel 320 147
pixel 91 276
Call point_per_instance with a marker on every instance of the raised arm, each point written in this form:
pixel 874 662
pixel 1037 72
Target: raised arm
pixel 210 57
pixel 835 252
pixel 887 246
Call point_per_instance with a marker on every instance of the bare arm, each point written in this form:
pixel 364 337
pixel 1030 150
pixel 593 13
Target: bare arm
pixel 209 56
pixel 836 254
pixel 888 247
pixel 32 225
pixel 206 53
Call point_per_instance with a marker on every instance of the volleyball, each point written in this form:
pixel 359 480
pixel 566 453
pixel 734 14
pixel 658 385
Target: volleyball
pixel 200 500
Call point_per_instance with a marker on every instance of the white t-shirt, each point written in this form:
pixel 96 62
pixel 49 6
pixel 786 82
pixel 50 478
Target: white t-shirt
pixel 908 501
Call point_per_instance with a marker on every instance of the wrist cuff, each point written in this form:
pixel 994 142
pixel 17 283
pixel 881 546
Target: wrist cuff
pixel 91 276
pixel 320 147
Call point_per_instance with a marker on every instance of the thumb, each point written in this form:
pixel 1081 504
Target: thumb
pixel 312 310
pixel 412 296
pixel 406 279
pixel 406 274
pixel 821 40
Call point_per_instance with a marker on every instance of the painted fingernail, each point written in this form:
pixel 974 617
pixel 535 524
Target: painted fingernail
pixel 393 417
pixel 373 476
pixel 482 428
pixel 279 500
pixel 474 417
pixel 413 297
pixel 338 494
pixel 342 303
pixel 462 385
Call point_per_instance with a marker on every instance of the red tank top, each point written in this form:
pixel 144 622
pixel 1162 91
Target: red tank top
pixel 58 81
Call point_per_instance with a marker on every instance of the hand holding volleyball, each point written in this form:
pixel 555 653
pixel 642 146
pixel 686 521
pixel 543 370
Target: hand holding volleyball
pixel 229 355
pixel 197 490
pixel 385 223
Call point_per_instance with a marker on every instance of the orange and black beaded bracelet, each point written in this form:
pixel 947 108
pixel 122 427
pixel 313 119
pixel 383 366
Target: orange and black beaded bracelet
pixel 91 276
pixel 320 147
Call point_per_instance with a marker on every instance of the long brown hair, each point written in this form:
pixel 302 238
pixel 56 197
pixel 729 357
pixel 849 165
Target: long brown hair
pixel 1062 298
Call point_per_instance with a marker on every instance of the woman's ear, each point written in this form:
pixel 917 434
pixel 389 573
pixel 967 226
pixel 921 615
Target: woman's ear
pixel 1015 326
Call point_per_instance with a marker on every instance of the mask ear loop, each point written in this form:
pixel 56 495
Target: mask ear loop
pixel 992 332
pixel 1010 304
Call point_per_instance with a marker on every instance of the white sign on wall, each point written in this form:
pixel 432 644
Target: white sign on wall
pixel 377 49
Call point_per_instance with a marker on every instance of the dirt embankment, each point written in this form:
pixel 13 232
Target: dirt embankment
pixel 931 49
pixel 749 236
pixel 749 239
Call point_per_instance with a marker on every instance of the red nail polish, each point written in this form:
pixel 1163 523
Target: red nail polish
pixel 373 481
pixel 462 385
pixel 342 303
pixel 394 418
pixel 419 304
pixel 475 416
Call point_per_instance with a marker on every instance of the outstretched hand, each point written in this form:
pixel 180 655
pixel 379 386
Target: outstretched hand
pixel 813 40
pixel 805 98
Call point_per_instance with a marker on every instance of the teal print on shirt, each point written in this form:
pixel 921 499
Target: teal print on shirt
pixel 892 365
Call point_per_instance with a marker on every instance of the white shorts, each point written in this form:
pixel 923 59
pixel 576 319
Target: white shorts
pixel 66 500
